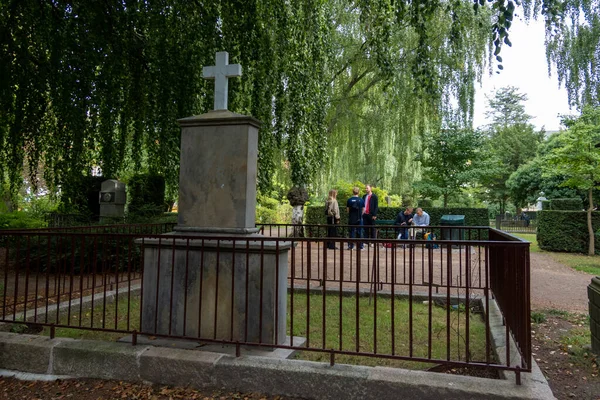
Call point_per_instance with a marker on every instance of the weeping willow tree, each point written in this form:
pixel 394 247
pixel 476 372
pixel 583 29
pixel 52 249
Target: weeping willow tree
pixel 572 46
pixel 344 88
pixel 102 84
pixel 390 89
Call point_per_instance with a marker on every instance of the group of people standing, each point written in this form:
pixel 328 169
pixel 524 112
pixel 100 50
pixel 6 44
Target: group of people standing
pixel 362 211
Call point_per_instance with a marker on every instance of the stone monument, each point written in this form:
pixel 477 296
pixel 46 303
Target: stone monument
pixel 222 281
pixel 540 202
pixel 112 200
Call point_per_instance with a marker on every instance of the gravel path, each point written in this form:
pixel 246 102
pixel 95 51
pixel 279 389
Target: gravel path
pixel 556 286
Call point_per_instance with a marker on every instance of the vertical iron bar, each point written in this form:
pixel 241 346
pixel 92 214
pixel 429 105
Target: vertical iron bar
pixel 324 310
pixel 157 286
pixel 201 292
pixel 215 321
pixel 309 270
pixel 27 271
pixel 71 279
pixel 185 285
pixel 171 294
pixel 129 281
pixel 17 268
pixel 293 247
pixel 5 286
pixel 233 292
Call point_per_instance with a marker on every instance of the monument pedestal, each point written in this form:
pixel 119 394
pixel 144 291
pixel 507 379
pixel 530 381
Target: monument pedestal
pixel 222 281
pixel 209 289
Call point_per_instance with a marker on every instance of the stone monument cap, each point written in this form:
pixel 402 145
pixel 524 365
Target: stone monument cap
pixel 218 117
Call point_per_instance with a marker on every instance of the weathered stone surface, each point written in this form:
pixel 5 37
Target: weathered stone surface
pixel 112 199
pixel 27 353
pixel 218 167
pixel 209 278
pixel 179 367
pixel 313 380
pixel 594 304
pixel 303 379
pixel 95 359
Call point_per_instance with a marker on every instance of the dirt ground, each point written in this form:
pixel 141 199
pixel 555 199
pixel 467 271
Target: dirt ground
pixel 567 363
pixel 96 389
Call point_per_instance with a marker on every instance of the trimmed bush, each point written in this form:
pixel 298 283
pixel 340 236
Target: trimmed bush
pixel 572 204
pixel 81 196
pixel 545 204
pixel 473 216
pixel 566 231
pixel 20 220
pixel 425 204
pixel 147 195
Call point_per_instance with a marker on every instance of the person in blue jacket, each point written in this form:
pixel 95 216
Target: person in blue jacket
pixel 355 207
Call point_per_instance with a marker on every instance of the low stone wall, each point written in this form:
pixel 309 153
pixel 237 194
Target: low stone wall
pixel 594 302
pixel 206 370
pixel 306 379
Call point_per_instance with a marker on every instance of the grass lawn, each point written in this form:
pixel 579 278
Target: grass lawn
pixel 530 237
pixel 371 338
pixel 579 262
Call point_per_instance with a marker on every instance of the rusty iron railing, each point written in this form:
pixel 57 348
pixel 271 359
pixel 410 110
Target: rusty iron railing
pixel 93 279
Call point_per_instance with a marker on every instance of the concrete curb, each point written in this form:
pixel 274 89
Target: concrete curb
pixel 205 370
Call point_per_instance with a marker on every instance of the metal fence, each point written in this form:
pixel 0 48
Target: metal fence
pixel 395 300
pixel 516 224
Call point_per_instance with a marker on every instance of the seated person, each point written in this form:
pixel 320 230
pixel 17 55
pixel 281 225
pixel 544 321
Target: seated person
pixel 421 218
pixel 404 218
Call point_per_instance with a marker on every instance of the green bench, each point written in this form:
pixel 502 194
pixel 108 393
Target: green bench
pixel 385 232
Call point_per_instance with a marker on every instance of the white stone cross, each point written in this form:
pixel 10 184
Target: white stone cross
pixel 221 74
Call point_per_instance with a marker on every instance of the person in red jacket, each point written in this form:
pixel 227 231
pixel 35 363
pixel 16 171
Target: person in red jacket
pixel 370 215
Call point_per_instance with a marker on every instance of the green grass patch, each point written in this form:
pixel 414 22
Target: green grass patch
pixel 579 262
pixel 530 237
pixel 379 336
pixel 538 317
pixel 114 316
pixel 373 335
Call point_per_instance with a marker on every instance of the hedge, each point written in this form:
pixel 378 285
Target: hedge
pixel 573 204
pixel 315 215
pixel 147 195
pixel 20 220
pixel 566 231
pixel 81 196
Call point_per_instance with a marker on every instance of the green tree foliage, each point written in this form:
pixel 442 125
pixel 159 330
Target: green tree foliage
pixel 529 180
pixel 447 161
pixel 578 158
pixel 573 46
pixel 381 107
pixel 344 88
pixel 511 141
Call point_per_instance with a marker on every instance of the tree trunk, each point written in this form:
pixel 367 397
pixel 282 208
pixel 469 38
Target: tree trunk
pixel 592 245
pixel 445 200
pixel 297 218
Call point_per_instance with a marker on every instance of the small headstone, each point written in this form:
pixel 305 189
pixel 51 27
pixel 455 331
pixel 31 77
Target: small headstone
pixel 112 200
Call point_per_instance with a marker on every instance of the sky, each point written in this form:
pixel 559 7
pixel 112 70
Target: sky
pixel 525 67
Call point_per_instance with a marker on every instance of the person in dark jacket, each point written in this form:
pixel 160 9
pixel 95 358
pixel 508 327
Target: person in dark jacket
pixel 355 207
pixel 404 219
pixel 370 215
